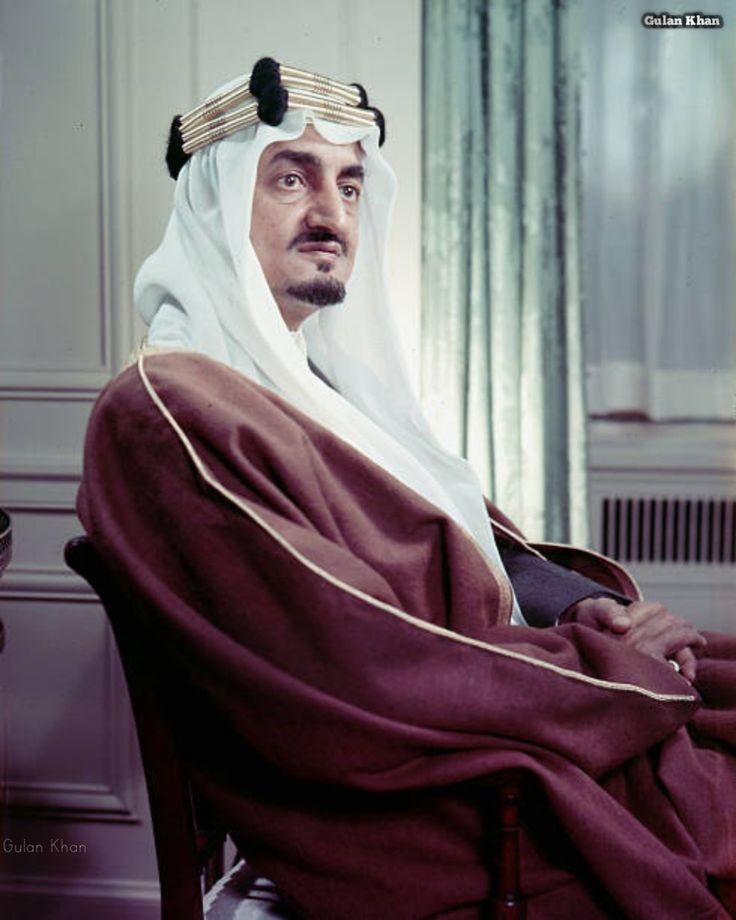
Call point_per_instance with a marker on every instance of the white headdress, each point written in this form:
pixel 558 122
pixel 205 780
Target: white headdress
pixel 203 290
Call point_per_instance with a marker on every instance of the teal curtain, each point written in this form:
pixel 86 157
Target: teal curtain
pixel 502 363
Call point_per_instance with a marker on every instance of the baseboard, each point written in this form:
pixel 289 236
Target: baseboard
pixel 56 899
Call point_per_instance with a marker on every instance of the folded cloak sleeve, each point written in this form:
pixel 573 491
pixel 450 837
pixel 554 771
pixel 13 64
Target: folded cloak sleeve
pixel 545 589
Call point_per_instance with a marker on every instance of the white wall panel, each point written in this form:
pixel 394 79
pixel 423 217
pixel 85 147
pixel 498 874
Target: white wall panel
pixel 43 432
pixel 50 251
pixel 153 68
pixel 60 746
pixel 40 531
pixel 229 43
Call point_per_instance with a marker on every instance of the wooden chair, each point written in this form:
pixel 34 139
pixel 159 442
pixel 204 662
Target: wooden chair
pixel 188 838
pixel 186 849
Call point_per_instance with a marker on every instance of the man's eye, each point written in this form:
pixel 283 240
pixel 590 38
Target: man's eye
pixel 290 181
pixel 351 192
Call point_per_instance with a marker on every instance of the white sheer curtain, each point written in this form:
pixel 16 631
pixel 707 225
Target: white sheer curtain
pixel 659 205
pixel 502 356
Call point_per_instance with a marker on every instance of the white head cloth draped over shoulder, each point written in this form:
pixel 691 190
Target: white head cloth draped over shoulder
pixel 203 290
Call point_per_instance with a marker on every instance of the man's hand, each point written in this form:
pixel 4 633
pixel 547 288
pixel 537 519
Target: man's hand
pixel 647 626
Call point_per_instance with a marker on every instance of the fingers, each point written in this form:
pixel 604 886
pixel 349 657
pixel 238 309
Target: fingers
pixel 659 633
pixel 602 613
pixel 653 623
pixel 614 618
pixel 646 626
pixel 687 662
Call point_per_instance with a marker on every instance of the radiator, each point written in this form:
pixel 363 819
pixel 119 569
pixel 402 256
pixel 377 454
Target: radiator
pixel 663 502
pixel 669 530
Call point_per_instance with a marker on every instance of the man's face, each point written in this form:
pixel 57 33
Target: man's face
pixel 304 225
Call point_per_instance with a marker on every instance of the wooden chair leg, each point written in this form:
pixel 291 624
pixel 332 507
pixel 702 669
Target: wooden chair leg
pixel 508 901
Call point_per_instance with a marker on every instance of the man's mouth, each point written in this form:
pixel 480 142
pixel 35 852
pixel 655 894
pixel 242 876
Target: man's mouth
pixel 321 242
pixel 333 249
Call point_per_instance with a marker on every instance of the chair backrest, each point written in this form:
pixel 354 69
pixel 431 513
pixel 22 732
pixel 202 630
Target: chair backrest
pixel 183 850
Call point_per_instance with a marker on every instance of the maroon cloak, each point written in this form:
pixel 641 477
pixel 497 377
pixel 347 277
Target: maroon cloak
pixel 353 682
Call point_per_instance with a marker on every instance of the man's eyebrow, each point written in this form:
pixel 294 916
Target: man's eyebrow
pixel 298 157
pixel 302 158
pixel 353 172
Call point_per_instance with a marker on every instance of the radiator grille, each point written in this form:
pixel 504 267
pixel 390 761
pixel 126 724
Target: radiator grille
pixel 666 530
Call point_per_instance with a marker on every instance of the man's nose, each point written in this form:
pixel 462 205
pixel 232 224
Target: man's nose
pixel 326 208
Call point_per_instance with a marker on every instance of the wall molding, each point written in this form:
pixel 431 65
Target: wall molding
pixel 116 185
pixel 117 798
pixel 71 897
pixel 39 506
pixel 34 583
pixel 52 469
pixel 73 382
pixel 115 801
pixel 80 886
pixel 80 801
pixel 50 385
pixel 114 285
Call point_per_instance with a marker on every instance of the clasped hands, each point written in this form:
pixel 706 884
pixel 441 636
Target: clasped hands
pixel 644 625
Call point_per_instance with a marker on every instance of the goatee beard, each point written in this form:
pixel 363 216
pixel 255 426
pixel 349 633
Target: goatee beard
pixel 320 292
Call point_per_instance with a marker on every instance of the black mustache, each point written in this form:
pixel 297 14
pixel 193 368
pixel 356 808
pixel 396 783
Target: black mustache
pixel 319 236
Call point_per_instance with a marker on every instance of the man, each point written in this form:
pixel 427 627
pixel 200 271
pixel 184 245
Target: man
pixel 328 578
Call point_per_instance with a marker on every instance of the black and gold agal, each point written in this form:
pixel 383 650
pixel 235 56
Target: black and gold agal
pixel 266 95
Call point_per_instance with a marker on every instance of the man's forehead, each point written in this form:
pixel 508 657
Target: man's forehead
pixel 320 149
